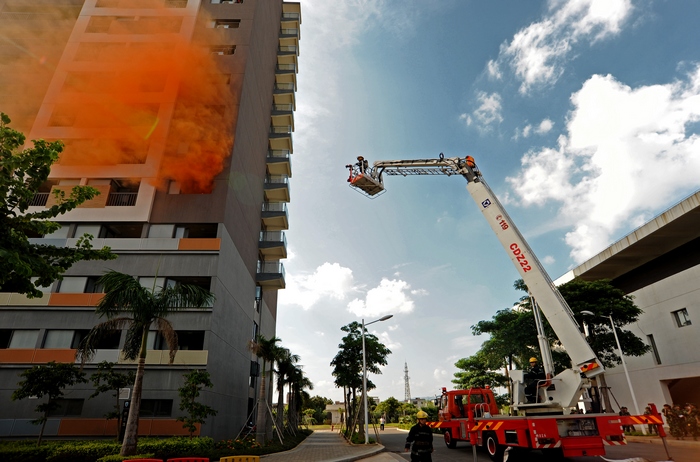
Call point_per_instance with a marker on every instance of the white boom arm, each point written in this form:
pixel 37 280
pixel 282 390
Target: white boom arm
pixel 541 287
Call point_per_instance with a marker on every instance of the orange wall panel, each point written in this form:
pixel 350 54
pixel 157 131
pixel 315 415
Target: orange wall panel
pixel 162 427
pixel 75 427
pixel 71 299
pixel 200 244
pixel 16 355
pixel 58 354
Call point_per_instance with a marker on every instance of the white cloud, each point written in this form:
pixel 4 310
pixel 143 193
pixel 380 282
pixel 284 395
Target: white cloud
pixel 488 112
pixel 493 70
pixel 626 155
pixel 537 54
pixel 330 280
pixel 544 127
pixel 548 260
pixel 440 374
pixel 390 297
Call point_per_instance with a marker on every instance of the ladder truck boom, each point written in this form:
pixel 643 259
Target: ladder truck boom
pixel 369 180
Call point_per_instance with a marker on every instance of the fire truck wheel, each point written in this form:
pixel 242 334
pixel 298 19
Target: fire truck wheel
pixel 449 442
pixel 553 455
pixel 494 450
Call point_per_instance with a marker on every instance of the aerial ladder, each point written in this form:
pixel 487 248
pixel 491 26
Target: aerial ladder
pixel 556 393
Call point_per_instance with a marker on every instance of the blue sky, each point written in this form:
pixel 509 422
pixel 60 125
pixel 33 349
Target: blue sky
pixel 582 116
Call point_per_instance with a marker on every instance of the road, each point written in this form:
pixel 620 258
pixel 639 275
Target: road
pixel 394 440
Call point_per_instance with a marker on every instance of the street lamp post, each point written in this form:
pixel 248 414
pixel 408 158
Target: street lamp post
pixel 624 364
pixel 364 371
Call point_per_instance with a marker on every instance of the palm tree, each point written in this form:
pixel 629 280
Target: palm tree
pixel 298 382
pixel 127 304
pixel 285 365
pixel 267 350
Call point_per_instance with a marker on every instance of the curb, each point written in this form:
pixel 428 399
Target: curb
pixel 670 441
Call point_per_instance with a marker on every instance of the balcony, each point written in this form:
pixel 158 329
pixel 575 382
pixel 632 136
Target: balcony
pixel 276 188
pixel 270 275
pixel 283 115
pixel 279 163
pixel 284 96
pixel 39 199
pixel 275 216
pixel 273 245
pixel 286 50
pixel 280 138
pixel 286 68
pixel 122 199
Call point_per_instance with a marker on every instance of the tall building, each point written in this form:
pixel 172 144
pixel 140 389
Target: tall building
pixel 180 112
pixel 659 265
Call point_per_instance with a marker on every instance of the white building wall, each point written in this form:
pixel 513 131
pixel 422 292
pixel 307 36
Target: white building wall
pixel 678 347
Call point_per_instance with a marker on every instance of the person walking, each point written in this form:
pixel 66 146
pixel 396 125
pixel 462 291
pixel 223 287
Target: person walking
pixel 652 428
pixel 382 421
pixel 420 439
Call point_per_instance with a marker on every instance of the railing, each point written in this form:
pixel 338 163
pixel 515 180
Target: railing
pixel 281 130
pixel 270 267
pixel 274 207
pixel 284 86
pixel 278 154
pixel 294 32
pixel 282 107
pixel 39 199
pixel 277 179
pixel 287 49
pixel 296 16
pixel 273 236
pixel 287 67
pixel 122 199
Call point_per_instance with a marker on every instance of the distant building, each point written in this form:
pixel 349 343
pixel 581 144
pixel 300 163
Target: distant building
pixel 659 265
pixel 181 113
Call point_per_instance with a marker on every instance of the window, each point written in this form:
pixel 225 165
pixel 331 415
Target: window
pixel 24 338
pixel 654 350
pixel 156 408
pixel 196 230
pixel 255 330
pixel 682 318
pixel 229 2
pixel 226 23
pixel 67 408
pixel 254 372
pixel 223 49
pixel 60 338
pixel 190 339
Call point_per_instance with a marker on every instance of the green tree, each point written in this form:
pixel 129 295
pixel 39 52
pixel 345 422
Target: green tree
pixel 318 405
pixel 22 173
pixel 268 351
pixel 197 413
pixel 47 380
pixel 347 366
pixel 298 382
pixel 127 304
pixel 391 408
pixel 475 372
pixel 107 379
pixel 513 335
pixel 286 363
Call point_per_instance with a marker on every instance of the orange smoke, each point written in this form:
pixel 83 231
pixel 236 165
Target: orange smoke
pixel 124 92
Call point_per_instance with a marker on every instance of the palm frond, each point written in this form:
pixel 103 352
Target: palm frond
pixel 132 345
pixel 87 348
pixel 123 293
pixel 166 330
pixel 182 296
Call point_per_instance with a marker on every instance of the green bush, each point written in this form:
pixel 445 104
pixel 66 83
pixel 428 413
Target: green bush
pixel 118 458
pixel 82 451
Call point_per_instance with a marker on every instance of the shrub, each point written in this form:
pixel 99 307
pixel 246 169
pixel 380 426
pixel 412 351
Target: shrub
pixel 118 458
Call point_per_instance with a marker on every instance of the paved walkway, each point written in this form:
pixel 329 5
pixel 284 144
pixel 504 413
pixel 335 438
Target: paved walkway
pixel 325 445
pixel 328 446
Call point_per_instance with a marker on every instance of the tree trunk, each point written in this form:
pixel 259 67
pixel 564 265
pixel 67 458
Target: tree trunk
pixel 132 422
pixel 280 408
pixel 260 420
pixel 604 391
pixel 43 425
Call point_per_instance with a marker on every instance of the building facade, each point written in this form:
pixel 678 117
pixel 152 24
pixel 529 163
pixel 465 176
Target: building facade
pixel 659 265
pixel 180 112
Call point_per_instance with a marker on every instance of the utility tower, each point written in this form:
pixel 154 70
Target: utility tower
pixel 407 386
